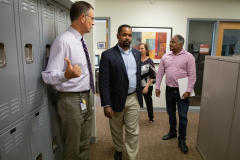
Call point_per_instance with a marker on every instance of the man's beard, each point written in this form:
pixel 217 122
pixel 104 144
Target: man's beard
pixel 126 44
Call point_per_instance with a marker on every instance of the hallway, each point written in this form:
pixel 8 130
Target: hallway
pixel 152 147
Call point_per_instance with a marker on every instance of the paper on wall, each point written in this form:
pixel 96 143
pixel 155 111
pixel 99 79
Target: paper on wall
pixel 183 84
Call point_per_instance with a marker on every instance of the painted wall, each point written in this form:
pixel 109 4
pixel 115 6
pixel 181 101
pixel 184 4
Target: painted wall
pixel 100 36
pixel 163 14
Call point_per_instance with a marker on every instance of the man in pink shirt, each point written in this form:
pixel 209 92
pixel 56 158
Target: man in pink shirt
pixel 177 64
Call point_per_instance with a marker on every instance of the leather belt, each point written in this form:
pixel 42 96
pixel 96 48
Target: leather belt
pixel 81 92
pixel 130 93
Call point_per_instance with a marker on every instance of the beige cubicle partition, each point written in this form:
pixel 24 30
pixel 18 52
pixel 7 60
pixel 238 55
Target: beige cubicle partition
pixel 220 109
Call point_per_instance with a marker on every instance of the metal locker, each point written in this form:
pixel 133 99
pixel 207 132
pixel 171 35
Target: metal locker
pixel 68 20
pixel 13 144
pixel 30 42
pixel 54 132
pixel 208 94
pixel 48 35
pixel 10 93
pixel 233 151
pixel 61 21
pixel 223 109
pixel 38 137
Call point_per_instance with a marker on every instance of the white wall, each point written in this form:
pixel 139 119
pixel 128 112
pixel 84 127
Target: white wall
pixel 100 36
pixel 163 14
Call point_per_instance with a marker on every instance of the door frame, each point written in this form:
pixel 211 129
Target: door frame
pixel 109 28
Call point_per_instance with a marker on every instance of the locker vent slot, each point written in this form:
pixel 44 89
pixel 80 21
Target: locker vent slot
pixel 3 60
pixel 39 157
pixel 29 53
pixel 34 125
pixel 38 95
pixel 25 5
pixel 54 144
pixel 62 16
pixel 51 12
pixel 18 137
pixel 40 121
pixel 4 111
pixel 33 6
pixel 5 1
pixel 13 130
pixel 8 144
pixel 15 106
pixel 31 97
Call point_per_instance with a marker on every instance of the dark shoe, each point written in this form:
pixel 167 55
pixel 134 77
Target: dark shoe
pixel 118 155
pixel 169 136
pixel 182 145
pixel 151 121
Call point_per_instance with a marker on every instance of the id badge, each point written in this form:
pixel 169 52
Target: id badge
pixel 83 105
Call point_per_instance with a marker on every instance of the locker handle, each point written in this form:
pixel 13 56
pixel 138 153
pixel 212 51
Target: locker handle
pixel 39 157
pixel 36 114
pixel 3 59
pixel 29 53
pixel 54 144
pixel 48 4
pixel 13 130
pixel 47 48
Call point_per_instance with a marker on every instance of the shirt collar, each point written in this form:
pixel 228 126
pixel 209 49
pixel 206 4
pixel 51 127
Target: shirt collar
pixel 181 52
pixel 75 33
pixel 122 51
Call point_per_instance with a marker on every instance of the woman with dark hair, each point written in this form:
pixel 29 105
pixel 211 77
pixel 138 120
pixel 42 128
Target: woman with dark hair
pixel 148 75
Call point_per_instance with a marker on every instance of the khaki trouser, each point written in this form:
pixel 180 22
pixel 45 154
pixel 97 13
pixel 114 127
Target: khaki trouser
pixel 129 116
pixel 76 125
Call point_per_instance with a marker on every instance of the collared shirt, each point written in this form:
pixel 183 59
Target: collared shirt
pixel 131 67
pixel 67 45
pixel 175 67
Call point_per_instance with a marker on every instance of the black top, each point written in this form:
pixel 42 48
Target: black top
pixel 147 71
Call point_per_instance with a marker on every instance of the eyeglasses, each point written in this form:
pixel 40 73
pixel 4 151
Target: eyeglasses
pixel 93 18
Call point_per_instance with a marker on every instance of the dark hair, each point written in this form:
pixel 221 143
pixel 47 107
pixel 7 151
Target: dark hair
pixel 146 47
pixel 122 26
pixel 79 8
pixel 180 38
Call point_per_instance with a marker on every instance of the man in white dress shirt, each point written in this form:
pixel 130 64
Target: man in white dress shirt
pixel 69 71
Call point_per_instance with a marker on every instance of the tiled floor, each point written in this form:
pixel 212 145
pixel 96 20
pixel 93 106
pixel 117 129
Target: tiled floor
pixel 152 147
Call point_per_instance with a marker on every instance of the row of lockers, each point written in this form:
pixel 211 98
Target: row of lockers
pixel 28 28
pixel 29 123
pixel 36 137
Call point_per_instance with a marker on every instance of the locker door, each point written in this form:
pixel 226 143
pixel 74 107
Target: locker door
pixel 55 135
pixel 29 27
pixel 10 94
pixel 68 20
pixel 207 103
pixel 233 151
pixel 13 144
pixel 38 135
pixel 223 110
pixel 61 21
pixel 48 38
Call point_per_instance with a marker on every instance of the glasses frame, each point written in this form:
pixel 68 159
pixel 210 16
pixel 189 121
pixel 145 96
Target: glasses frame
pixel 93 18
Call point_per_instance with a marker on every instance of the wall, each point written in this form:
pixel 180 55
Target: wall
pixel 163 14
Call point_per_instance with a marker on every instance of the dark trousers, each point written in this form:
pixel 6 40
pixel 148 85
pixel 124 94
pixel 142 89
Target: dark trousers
pixel 148 100
pixel 173 99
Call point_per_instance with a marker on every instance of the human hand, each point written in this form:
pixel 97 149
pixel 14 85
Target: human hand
pixel 158 91
pixel 185 95
pixel 72 71
pixel 145 90
pixel 108 112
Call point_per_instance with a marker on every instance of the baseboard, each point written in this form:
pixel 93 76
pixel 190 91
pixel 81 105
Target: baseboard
pixel 93 140
pixel 191 109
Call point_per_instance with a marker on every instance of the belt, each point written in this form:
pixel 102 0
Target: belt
pixel 80 92
pixel 130 93
pixel 171 87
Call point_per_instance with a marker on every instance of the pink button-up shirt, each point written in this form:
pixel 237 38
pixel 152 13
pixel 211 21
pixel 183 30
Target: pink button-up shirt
pixel 175 67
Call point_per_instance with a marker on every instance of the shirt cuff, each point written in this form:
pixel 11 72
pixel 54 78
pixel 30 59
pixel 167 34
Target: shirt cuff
pixel 189 90
pixel 157 86
pixel 106 106
pixel 62 77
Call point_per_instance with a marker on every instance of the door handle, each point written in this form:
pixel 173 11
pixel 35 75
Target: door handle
pixel 29 53
pixel 3 59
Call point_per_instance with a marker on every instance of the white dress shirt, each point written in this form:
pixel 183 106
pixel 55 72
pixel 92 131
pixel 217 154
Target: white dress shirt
pixel 67 45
